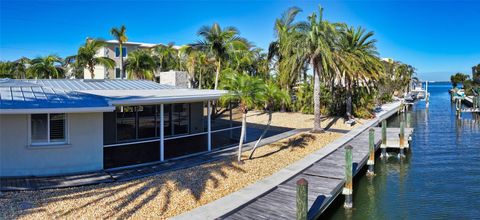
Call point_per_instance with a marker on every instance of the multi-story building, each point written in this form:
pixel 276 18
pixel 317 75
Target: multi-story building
pixel 112 50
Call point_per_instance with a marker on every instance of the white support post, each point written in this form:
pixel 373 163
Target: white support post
pixel 209 125
pixel 245 132
pixel 162 134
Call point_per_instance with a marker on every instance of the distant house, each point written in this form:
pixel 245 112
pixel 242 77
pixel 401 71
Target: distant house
pixel 112 50
pixel 60 126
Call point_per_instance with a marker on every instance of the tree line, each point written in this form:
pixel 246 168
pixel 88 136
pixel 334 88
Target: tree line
pixel 325 67
pixel 471 85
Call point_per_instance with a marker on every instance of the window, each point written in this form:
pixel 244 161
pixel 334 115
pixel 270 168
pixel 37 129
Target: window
pixel 48 128
pixel 126 123
pixel 147 121
pixel 117 52
pixel 167 123
pixel 136 122
pixel 180 118
pixel 117 73
pixel 176 119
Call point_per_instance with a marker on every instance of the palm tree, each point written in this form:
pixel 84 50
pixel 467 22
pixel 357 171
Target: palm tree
pixel 86 56
pixel 46 67
pixel 288 64
pixel 247 91
pixel 272 96
pixel 219 42
pixel 167 57
pixel 315 43
pixel 140 64
pixel 120 35
pixel 20 67
pixel 195 62
pixel 357 59
pixel 6 69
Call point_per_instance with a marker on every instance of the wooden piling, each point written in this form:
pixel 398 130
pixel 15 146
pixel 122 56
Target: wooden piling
pixel 384 139
pixel 459 108
pixel 371 149
pixel 348 189
pixel 402 139
pixel 302 199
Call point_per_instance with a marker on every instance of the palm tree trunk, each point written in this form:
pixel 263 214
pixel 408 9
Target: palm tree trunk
pixel 121 61
pixel 218 72
pixel 349 101
pixel 200 80
pixel 242 136
pixel 263 134
pixel 316 100
pixel 92 74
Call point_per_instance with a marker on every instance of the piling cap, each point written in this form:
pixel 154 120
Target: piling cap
pixel 372 130
pixel 302 182
pixel 348 147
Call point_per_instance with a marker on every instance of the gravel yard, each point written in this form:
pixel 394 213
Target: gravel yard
pixel 170 194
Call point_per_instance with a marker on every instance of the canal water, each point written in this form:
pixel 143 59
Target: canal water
pixel 439 179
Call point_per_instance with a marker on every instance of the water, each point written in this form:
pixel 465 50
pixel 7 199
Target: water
pixel 439 179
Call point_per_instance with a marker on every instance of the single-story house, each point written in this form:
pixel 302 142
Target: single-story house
pixel 64 126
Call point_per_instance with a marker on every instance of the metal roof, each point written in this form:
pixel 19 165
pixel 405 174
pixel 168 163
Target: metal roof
pixel 23 99
pixel 67 95
pixel 97 84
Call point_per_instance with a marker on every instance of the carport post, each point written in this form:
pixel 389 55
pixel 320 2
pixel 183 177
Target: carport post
pixel 209 127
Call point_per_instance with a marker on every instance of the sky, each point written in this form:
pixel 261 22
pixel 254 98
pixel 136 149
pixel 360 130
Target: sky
pixel 438 37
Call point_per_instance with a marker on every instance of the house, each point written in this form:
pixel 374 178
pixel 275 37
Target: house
pixel 112 50
pixel 62 126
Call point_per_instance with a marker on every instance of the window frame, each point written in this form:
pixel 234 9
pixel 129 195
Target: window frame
pixel 156 116
pixel 124 73
pixel 124 54
pixel 49 142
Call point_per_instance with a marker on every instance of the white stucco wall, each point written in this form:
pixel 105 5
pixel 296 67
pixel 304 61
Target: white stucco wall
pixel 83 153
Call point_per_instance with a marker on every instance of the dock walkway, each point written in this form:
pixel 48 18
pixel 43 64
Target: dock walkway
pixel 325 179
pixel 227 206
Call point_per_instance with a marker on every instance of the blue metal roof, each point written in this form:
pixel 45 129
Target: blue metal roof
pixel 112 84
pixel 77 95
pixel 34 97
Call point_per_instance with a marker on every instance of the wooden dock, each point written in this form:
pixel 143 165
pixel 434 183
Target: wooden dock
pixel 325 179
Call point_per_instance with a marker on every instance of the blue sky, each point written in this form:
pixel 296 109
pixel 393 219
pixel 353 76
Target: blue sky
pixel 437 37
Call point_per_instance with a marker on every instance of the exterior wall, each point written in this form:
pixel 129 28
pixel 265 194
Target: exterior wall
pixel 175 78
pixel 109 51
pixel 83 153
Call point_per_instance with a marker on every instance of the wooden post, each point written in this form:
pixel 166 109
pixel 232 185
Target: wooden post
pixel 302 199
pixel 459 108
pixel 348 189
pixel 402 140
pixel 384 139
pixel 371 148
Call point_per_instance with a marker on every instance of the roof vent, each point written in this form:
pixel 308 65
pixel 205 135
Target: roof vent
pixel 94 80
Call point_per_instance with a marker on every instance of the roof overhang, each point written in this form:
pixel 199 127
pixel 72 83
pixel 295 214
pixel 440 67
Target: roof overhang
pixel 57 110
pixel 163 100
pixel 164 96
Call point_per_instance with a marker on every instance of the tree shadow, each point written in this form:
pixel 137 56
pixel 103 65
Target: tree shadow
pixel 120 199
pixel 300 141
pixel 331 123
